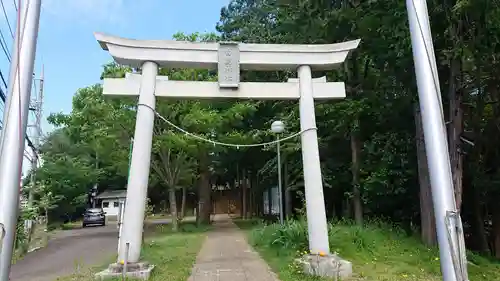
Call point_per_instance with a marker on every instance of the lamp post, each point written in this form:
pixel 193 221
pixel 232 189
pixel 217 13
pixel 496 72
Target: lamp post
pixel 278 127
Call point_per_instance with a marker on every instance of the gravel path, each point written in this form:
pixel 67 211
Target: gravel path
pixel 88 247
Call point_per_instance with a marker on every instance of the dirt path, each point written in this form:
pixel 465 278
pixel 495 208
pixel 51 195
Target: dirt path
pixel 88 247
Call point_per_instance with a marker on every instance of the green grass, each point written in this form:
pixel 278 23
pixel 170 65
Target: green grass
pixel 159 216
pixel 72 225
pixel 173 254
pixel 39 239
pixel 378 251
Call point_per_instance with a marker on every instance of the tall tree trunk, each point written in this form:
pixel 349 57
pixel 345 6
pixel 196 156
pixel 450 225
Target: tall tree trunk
pixel 183 203
pixel 244 188
pixel 238 187
pixel 173 208
pixel 204 190
pixel 356 200
pixel 257 195
pixel 427 219
pixel 479 231
pixel 480 235
pixel 347 208
pixel 455 130
pixel 288 191
pixel 250 195
pixel 496 230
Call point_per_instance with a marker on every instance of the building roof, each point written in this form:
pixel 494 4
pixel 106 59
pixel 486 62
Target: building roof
pixel 112 194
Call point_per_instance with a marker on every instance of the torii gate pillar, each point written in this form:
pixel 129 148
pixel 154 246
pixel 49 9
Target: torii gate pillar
pixel 228 58
pixel 137 186
pixel 313 181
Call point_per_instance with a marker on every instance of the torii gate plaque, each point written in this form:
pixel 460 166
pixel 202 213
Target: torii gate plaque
pixel 228 58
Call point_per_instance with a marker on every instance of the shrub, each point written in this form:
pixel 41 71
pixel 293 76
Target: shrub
pixel 378 251
pixel 292 235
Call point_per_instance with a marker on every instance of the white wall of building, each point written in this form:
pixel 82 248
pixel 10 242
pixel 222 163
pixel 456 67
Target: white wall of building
pixel 111 206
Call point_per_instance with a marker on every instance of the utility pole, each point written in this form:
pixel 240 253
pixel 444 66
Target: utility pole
pixel 37 107
pixel 15 121
pixel 96 185
pixel 448 221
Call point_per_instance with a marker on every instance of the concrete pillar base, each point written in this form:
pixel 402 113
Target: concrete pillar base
pixel 140 271
pixel 331 266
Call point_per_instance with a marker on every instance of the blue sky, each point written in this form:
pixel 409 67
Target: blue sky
pixel 69 52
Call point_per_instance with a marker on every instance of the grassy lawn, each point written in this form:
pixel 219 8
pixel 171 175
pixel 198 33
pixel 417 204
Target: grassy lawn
pixel 379 252
pixel 173 254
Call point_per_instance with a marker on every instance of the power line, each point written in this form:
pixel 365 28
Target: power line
pixel 7 18
pixel 3 44
pixel 4 83
pixel 30 143
pixel 2 93
pixel 4 48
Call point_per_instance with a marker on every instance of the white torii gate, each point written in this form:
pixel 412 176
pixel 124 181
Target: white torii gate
pixel 228 58
pixel 448 219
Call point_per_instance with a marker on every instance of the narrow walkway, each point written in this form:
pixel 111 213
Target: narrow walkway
pixel 226 256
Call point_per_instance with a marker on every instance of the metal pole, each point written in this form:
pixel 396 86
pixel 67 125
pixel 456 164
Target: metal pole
pixel 137 186
pixel 125 262
pixel 315 203
pixel 96 185
pixel 94 194
pixel 38 107
pixel 436 143
pixel 31 193
pixel 14 131
pixel 279 180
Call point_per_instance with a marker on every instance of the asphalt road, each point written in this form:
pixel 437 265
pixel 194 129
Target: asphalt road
pixel 66 252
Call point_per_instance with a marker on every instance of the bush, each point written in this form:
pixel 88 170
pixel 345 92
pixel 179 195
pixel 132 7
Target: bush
pixel 21 235
pixel 377 250
pixel 149 209
pixel 291 235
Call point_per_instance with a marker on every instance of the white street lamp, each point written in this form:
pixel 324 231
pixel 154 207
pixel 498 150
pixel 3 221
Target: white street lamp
pixel 278 127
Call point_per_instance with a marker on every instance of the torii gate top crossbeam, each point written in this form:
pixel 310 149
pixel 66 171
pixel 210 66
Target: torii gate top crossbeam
pixel 182 54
